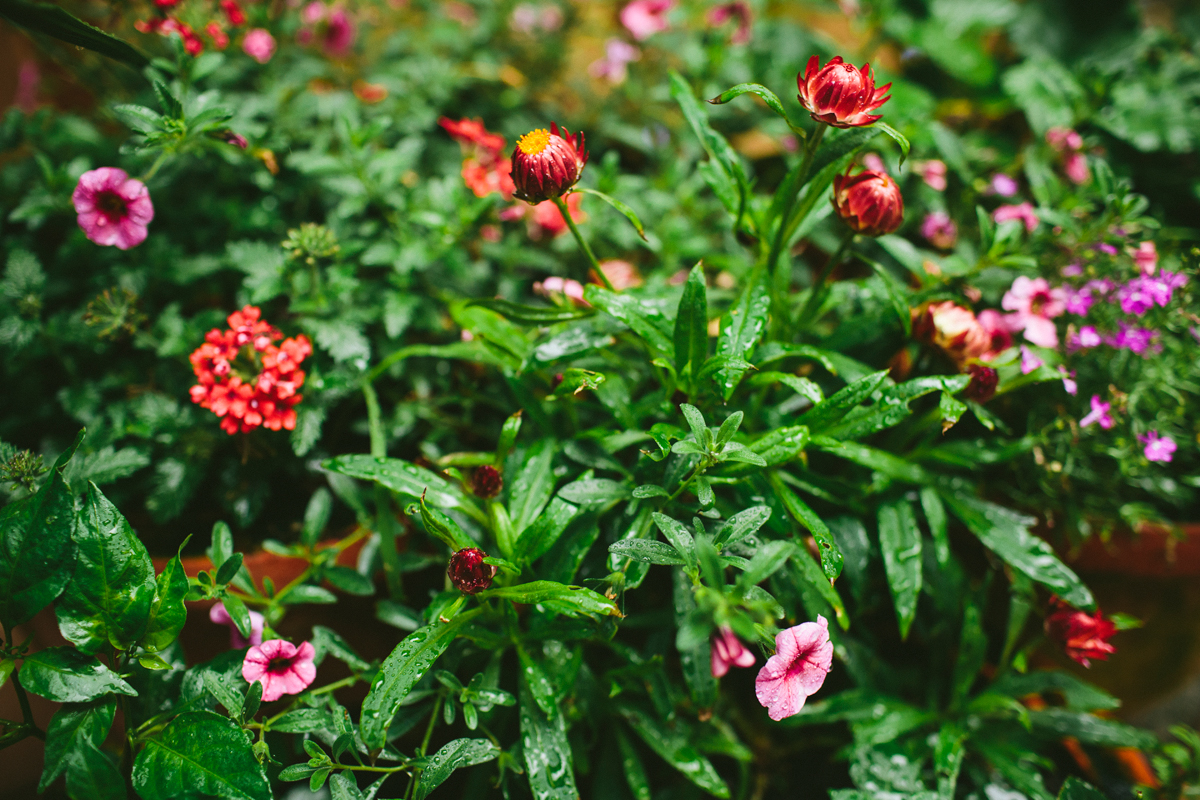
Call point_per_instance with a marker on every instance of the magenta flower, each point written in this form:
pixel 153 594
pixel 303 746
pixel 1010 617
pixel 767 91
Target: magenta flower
pixel 727 651
pixel 1064 139
pixel 1076 168
pixel 803 656
pixel 1029 362
pixel 995 326
pixel 281 667
pixel 1100 413
pixel 1034 304
pixel 220 616
pixel 1023 212
pixel 933 172
pixel 939 230
pixel 112 208
pixel 1135 340
pixel 1071 271
pixel 1158 448
pixel 1087 338
pixel 1135 297
pixel 1162 287
pixel 1003 185
pixel 259 44
pixel 1068 379
pixel 1145 257
pixel 739 11
pixel 644 18
pixel 1078 301
pixel 617 53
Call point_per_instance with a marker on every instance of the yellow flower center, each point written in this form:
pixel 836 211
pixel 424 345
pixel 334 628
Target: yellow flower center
pixel 534 142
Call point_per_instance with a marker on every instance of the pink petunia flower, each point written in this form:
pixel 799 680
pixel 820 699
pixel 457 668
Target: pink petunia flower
pixel 1136 297
pixel 259 44
pixel 1023 212
pixel 1158 448
pixel 644 18
pixel 112 208
pixel 939 230
pixel 1034 304
pixel 555 287
pixel 728 651
pixel 1135 340
pixel 1003 185
pixel 803 657
pixel 617 53
pixel 220 615
pixel 1071 271
pixel 1029 361
pixel 1100 414
pixel 281 667
pixel 1145 257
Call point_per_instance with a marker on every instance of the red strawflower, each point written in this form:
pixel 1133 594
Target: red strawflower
pixel 983 383
pixel 220 39
pixel 1082 635
pixel 547 164
pixel 840 94
pixel 467 571
pixel 869 202
pixel 245 378
pixel 233 12
pixel 487 482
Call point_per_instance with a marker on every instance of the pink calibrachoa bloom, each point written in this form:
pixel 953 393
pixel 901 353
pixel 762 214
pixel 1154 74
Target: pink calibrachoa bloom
pixel 1158 448
pixel 1034 304
pixel 112 208
pixel 1076 168
pixel 999 336
pixel 728 651
pixel 1023 212
pixel 555 287
pixel 1087 338
pixel 1068 379
pixel 1100 414
pixel 739 11
pixel 220 616
pixel 281 667
pixel 644 18
pixel 1029 361
pixel 259 44
pixel 803 656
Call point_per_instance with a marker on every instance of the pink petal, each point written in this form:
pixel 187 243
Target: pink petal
pixel 1041 331
pixel 219 615
pixel 272 688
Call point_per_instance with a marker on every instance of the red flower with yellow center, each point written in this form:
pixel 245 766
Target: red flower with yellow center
pixel 546 164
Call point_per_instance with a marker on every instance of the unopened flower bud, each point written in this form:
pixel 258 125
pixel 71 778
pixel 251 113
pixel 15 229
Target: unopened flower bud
pixel 467 571
pixel 983 383
pixel 546 164
pixel 487 482
pixel 840 94
pixel 869 202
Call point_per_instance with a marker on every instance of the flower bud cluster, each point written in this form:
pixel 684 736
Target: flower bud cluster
pixel 246 378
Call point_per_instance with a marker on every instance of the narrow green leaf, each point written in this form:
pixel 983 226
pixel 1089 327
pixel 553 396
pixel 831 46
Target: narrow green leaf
pixel 541 535
pixel 534 482
pixel 644 320
pixel 807 570
pixel 454 755
pixel 824 415
pixel 199 753
pixel 691 325
pixel 594 491
pixel 65 675
pixel 619 206
pixel 316 516
pixel 935 515
pixel 635 771
pixel 91 774
pixel 647 551
pixel 679 537
pixel 769 97
pixel 741 329
pixel 56 22
pixel 673 747
pixel 947 759
pixel 972 650
pixel 533 315
pixel 831 555
pixel 407 480
pixel 229 570
pixel 898 137
pixel 1088 728
pixel 442 527
pixel 1075 789
pixel 570 600
pixel 168 612
pixel 695 650
pixel 540 686
pixel 546 750
pixel 900 541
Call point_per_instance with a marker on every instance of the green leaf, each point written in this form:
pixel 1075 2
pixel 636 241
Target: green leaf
pixel 741 525
pixel 238 613
pixel 342 786
pixel 56 22
pixel 1006 534
pixel 649 490
pixel 595 491
pixel 458 753
pixel 691 640
pixel 92 775
pixel 769 97
pixel 350 581
pixel 569 600
pixel 807 570
pixel 531 489
pixel 826 414
pixel 199 753
pixel 72 727
pixel 316 516
pixel 900 541
pixel 768 559
pixel 537 539
pixel 972 650
pixel 679 537
pixel 406 479
pixel 327 642
pixel 880 461
pixel 619 206
pixel 1088 728
pixel 741 329
pixel 229 570
pixel 107 603
pixel 533 315
pixel 691 325
pixel 935 515
pixel 898 137
pixel 65 675
pixel 439 525
pixel 221 548
pixel 635 771
pixel 947 759
pixel 1079 695
pixel 400 671
pixel 647 551
pixel 168 613
pixel 574 381
pixel 781 445
pixel 831 555
pixel 546 750
pixel 951 409
pixel 673 747
pixel 644 320
pixel 731 186
pixel 1075 789
pixel 36 546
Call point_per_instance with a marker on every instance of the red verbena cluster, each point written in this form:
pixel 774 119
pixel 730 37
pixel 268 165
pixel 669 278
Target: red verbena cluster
pixel 245 378
pixel 168 22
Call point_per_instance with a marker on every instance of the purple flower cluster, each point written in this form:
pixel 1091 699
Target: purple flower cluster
pixel 1144 292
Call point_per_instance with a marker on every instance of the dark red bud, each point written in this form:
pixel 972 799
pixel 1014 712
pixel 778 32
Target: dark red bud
pixel 983 383
pixel 467 571
pixel 487 482
pixel 869 202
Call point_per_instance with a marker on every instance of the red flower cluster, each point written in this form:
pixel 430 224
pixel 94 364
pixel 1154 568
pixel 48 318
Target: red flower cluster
pixel 245 378
pixel 1081 635
pixel 485 168
pixel 167 24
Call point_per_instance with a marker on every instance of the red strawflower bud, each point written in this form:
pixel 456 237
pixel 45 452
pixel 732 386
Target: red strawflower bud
pixel 983 383
pixel 840 94
pixel 468 573
pixel 869 202
pixel 487 482
pixel 546 164
pixel 1081 635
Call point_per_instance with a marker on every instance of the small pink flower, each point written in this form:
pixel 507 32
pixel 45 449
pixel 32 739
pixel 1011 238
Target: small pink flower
pixel 1029 361
pixel 555 287
pixel 1034 304
pixel 933 172
pixel 1087 338
pixel 739 10
pixel 939 230
pixel 803 657
pixel 1003 185
pixel 644 18
pixel 617 53
pixel 1064 140
pixel 1158 448
pixel 259 44
pixel 1076 168
pixel 999 336
pixel 1068 379
pixel 281 667
pixel 1145 257
pixel 1023 212
pixel 112 208
pixel 728 651
pixel 220 616
pixel 1071 271
pixel 1100 413
pixel 1078 300
pixel 874 163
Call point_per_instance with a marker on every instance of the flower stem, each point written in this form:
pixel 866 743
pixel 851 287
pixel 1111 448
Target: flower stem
pixel 385 523
pixel 583 245
pixel 820 287
pixel 158 162
pixel 781 276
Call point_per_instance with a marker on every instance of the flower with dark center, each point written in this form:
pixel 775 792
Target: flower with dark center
pixel 112 208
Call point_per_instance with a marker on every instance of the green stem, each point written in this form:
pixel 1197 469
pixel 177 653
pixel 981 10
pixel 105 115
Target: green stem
pixel 820 287
pixel 699 470
pixel 437 707
pixel 385 522
pixel 158 162
pixel 781 278
pixel 583 245
pixel 26 711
